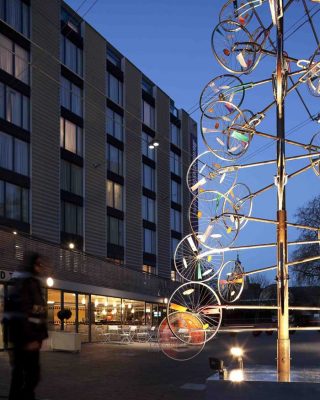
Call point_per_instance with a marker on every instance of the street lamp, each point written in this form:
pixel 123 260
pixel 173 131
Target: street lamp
pixel 153 144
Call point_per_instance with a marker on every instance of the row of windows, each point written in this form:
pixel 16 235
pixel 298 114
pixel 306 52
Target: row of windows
pixel 114 159
pixel 14 107
pixel 146 151
pixel 14 59
pixel 16 13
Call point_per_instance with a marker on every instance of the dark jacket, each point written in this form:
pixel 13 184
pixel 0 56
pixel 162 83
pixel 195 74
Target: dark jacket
pixel 25 313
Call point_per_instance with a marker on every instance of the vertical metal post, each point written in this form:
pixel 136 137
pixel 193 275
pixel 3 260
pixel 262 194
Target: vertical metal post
pixel 283 343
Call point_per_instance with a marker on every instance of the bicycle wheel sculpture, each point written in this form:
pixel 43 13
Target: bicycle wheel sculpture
pixel 206 216
pixel 188 264
pixel 185 326
pixel 231 281
pixel 206 172
pixel 220 206
pixel 228 88
pixel 200 300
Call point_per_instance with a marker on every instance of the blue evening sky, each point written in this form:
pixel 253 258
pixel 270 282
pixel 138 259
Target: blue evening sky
pixel 169 40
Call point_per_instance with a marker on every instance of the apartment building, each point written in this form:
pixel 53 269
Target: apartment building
pixel 93 158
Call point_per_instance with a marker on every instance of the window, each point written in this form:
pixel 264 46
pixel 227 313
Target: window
pixel 71 218
pixel 175 219
pixel 175 163
pixel 70 136
pixel 149 241
pixel 71 21
pixel 14 59
pixel 114 159
pixel 148 114
pixel 173 109
pixel 71 55
pixel 115 231
pixel 114 89
pixel 114 124
pixel 175 192
pixel 147 86
pixel 114 195
pixel 148 209
pixel 14 202
pixel 146 139
pixel 149 269
pixel 176 277
pixel 149 177
pixel 71 178
pixel 16 14
pixel 113 57
pixel 14 107
pixel 71 96
pixel 175 135
pixel 14 154
pixel 174 244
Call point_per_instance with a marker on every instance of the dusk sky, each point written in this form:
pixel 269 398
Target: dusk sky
pixel 169 40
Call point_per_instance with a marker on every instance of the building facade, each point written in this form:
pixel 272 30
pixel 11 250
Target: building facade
pixel 82 179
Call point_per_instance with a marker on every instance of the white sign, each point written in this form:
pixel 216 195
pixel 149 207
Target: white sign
pixel 5 275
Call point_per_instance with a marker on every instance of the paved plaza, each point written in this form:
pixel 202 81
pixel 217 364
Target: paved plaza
pixel 138 371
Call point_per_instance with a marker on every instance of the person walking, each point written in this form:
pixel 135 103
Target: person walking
pixel 25 323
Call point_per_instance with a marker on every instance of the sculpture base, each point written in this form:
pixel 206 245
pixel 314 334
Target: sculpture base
pixel 261 383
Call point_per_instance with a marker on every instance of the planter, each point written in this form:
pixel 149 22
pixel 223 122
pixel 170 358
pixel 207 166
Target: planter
pixel 65 341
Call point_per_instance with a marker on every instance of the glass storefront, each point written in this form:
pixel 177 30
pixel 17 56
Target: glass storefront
pixel 91 314
pixel 54 306
pixel 69 303
pixel 83 316
pixel 1 314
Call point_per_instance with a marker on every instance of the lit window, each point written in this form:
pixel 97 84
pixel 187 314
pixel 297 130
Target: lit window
pixel 114 195
pixel 14 59
pixel 149 269
pixel 14 107
pixel 70 136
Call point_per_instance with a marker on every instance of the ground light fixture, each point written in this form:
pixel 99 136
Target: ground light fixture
pixel 237 353
pixel 236 375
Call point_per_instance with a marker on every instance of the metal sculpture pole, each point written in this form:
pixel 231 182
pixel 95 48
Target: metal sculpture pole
pixel 283 344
